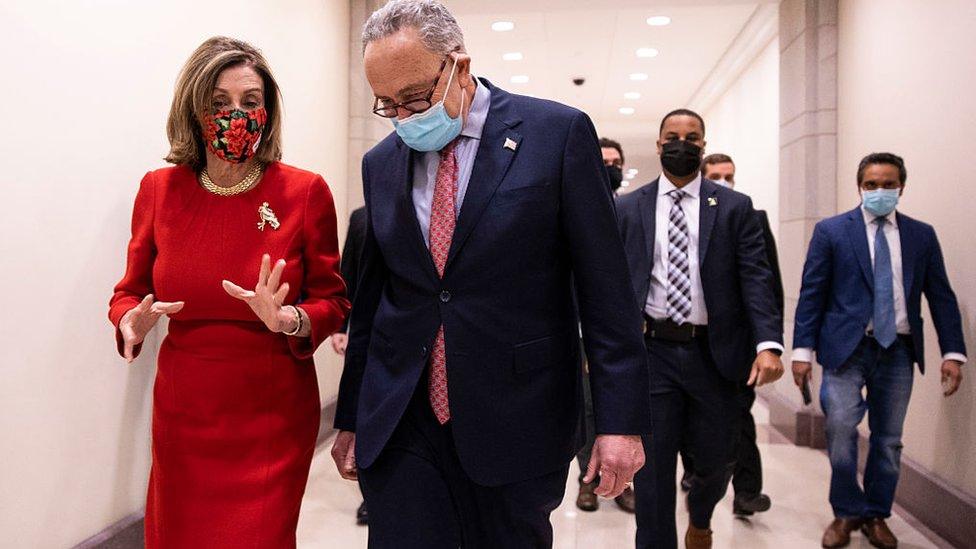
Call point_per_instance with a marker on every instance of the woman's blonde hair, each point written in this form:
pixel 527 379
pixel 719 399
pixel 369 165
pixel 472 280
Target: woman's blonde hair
pixel 194 94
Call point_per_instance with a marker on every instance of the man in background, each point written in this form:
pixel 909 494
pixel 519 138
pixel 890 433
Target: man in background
pixel 698 267
pixel 349 266
pixel 860 310
pixel 587 500
pixel 747 472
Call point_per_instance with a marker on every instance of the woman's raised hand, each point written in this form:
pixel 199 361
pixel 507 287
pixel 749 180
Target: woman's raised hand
pixel 136 323
pixel 267 297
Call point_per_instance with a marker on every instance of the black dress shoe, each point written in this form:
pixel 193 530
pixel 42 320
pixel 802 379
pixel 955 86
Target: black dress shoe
pixel 748 504
pixel 686 482
pixel 362 517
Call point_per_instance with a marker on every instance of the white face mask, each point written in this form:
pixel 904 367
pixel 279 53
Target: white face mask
pixel 723 183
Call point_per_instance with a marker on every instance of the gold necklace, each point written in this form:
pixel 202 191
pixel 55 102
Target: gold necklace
pixel 245 185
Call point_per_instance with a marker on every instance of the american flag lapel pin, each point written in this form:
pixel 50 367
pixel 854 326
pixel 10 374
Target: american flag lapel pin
pixel 510 144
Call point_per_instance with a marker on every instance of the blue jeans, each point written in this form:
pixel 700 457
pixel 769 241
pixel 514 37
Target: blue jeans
pixel 887 374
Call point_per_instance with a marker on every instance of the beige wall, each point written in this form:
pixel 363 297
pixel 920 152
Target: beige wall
pixel 906 74
pixel 744 124
pixel 86 89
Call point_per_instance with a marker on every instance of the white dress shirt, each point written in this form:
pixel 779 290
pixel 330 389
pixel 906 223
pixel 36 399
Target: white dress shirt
pixel 657 297
pixel 425 165
pixel 805 354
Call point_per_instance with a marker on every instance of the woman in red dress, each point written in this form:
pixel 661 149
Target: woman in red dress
pixel 236 405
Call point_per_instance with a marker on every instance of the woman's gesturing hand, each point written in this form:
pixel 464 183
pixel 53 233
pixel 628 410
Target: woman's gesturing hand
pixel 267 297
pixel 136 323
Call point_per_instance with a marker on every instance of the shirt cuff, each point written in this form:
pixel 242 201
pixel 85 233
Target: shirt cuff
pixel 769 345
pixel 958 357
pixel 802 354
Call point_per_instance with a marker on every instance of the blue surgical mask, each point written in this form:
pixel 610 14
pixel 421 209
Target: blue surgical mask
pixel 432 129
pixel 880 202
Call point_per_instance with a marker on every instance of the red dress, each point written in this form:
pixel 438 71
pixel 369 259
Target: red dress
pixel 235 406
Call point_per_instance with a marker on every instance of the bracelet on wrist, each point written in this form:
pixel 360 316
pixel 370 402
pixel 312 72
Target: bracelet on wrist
pixel 298 321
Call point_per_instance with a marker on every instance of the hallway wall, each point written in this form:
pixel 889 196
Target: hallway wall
pixel 87 88
pixel 905 80
pixel 744 123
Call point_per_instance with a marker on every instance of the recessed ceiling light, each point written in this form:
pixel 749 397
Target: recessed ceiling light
pixel 504 26
pixel 638 76
pixel 632 95
pixel 647 52
pixel 627 110
pixel 520 79
pixel 513 56
pixel 658 20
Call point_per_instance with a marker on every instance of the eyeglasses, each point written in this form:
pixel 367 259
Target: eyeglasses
pixel 387 109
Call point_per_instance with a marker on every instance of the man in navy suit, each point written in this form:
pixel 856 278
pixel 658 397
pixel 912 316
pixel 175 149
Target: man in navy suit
pixel 698 265
pixel 460 399
pixel 860 311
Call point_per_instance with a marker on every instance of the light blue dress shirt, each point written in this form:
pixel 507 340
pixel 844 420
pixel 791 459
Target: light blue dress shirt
pixel 425 165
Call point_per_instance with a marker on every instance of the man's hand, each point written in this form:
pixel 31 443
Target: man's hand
pixel 801 371
pixel 766 369
pixel 339 342
pixel 616 458
pixel 951 377
pixel 344 455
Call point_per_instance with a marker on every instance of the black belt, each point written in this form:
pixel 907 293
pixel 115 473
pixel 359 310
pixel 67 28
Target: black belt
pixel 669 330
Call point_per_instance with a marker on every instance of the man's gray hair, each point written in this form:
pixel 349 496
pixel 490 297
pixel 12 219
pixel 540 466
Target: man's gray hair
pixel 438 29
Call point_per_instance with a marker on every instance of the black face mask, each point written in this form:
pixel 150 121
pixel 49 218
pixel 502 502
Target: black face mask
pixel 616 176
pixel 681 158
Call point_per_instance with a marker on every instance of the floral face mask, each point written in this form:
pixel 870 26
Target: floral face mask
pixel 234 135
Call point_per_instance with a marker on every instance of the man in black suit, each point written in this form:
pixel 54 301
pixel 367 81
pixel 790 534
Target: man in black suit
pixel 487 212
pixel 747 474
pixel 698 266
pixel 349 267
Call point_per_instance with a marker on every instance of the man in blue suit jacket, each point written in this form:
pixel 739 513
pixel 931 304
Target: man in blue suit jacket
pixel 529 213
pixel 698 265
pixel 860 311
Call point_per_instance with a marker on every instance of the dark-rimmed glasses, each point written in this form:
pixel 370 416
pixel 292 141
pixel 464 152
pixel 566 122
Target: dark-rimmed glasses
pixel 381 107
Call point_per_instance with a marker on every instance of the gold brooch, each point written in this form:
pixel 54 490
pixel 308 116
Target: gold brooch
pixel 268 217
pixel 712 201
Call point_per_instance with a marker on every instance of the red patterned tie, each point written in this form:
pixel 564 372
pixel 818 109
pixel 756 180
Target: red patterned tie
pixel 442 223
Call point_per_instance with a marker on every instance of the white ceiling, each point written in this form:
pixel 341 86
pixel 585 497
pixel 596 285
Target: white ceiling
pixel 565 39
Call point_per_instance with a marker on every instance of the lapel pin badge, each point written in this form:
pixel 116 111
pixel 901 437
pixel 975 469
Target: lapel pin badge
pixel 268 217
pixel 712 201
pixel 510 144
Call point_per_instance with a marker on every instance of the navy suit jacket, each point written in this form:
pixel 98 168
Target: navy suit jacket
pixel 736 277
pixel 534 219
pixel 837 296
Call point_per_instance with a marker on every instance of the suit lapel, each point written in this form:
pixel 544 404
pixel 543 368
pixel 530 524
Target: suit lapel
pixel 857 232
pixel 490 166
pixel 909 252
pixel 407 211
pixel 648 210
pixel 707 212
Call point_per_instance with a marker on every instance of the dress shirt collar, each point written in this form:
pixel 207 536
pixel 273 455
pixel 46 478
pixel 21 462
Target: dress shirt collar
pixel 869 218
pixel 693 189
pixel 475 124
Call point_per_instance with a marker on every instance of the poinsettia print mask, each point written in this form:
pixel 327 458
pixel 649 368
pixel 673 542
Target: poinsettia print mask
pixel 234 135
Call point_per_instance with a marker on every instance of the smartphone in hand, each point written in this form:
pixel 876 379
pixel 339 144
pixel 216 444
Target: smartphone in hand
pixel 805 391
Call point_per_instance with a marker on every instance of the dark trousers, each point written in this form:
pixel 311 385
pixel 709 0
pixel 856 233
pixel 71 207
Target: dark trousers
pixel 693 407
pixel 747 472
pixel 420 497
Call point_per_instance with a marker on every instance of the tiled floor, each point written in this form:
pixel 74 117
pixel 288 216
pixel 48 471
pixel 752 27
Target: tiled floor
pixel 796 479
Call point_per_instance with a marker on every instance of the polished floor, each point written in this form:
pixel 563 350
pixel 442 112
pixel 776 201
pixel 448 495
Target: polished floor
pixel 796 479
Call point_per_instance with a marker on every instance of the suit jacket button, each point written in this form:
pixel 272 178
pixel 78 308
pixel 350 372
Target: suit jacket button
pixel 445 296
